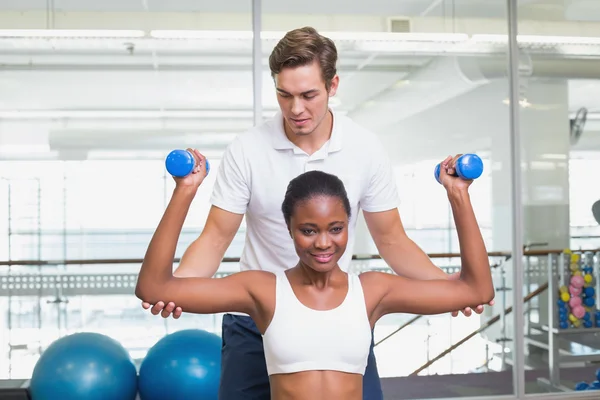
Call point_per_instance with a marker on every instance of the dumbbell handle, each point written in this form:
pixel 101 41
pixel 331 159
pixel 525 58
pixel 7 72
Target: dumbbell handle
pixel 468 166
pixel 180 163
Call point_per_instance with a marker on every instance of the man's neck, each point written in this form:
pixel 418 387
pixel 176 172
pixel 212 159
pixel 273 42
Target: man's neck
pixel 315 140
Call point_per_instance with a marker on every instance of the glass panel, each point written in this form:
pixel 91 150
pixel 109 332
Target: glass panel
pixel 426 97
pixel 93 97
pixel 559 80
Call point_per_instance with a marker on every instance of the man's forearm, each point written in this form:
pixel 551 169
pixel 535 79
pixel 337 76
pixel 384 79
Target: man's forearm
pixel 397 249
pixel 409 260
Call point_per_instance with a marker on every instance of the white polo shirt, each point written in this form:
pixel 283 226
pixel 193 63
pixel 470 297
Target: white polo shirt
pixel 259 164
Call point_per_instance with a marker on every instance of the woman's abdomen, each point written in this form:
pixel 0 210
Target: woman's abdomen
pixel 316 385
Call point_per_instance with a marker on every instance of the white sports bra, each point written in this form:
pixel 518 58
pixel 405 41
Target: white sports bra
pixel 302 339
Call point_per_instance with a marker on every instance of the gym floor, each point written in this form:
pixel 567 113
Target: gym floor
pixel 423 387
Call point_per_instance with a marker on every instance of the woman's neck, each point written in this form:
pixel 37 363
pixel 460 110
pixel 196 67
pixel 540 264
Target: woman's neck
pixel 318 279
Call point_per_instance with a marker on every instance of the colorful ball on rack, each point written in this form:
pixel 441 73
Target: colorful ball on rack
pixel 587 324
pixel 565 297
pixel 572 318
pixel 574 268
pixel 577 281
pixel 575 291
pixel 587 316
pixel 563 324
pixel 576 273
pixel 589 291
pixel 563 312
pixel 575 302
pixel 588 278
pixel 578 311
pixel 589 301
pixel 563 289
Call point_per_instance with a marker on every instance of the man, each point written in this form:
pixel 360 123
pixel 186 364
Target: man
pixel 254 172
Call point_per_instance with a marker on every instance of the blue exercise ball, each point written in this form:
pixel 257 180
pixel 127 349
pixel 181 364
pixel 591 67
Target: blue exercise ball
pixel 84 365
pixel 182 365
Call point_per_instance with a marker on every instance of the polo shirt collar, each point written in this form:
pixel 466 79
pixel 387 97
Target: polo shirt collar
pixel 281 141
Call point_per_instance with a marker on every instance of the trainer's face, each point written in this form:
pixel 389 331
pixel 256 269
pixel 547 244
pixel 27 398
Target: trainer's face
pixel 319 228
pixel 303 97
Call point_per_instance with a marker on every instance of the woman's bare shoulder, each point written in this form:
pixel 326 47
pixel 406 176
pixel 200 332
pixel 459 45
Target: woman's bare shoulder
pixel 369 278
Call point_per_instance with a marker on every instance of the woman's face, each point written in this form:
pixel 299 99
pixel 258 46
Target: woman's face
pixel 319 228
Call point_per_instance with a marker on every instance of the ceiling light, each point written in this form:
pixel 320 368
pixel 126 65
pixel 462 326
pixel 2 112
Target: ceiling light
pixel 71 33
pixel 213 35
pixel 537 39
pixel 129 114
pixel 350 36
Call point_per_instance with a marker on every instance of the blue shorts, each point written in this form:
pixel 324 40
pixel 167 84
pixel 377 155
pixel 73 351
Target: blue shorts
pixel 244 370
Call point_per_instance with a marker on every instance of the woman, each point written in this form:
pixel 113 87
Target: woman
pixel 316 319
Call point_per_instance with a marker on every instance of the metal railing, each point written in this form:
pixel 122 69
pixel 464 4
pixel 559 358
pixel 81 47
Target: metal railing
pixel 68 284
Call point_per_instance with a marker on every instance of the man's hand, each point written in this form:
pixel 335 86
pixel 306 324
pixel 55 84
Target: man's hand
pixel 165 312
pixel 467 311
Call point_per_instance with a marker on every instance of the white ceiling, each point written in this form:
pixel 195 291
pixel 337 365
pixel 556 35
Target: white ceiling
pixel 570 9
pixel 493 8
pixel 151 76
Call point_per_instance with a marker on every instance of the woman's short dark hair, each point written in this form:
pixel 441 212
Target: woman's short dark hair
pixel 310 185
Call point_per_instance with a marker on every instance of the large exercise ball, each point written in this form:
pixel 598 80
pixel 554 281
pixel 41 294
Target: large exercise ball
pixel 183 365
pixel 84 365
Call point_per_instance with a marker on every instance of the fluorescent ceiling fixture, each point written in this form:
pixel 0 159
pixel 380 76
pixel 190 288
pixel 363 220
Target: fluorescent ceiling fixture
pixel 398 42
pixel 489 38
pixel 276 35
pixel 590 115
pixel 70 33
pixel 213 35
pixel 558 39
pixel 537 39
pixel 400 37
pixel 141 154
pixel 24 148
pixel 190 34
pixel 550 156
pixel 76 114
pixel 26 156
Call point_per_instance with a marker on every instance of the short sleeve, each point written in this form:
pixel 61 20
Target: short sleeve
pixel 231 190
pixel 381 193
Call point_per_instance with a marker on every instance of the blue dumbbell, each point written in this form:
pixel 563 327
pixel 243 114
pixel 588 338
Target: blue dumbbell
pixel 181 163
pixel 468 166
